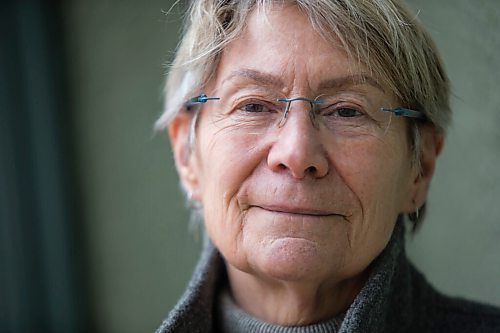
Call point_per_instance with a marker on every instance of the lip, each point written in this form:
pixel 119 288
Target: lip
pixel 295 210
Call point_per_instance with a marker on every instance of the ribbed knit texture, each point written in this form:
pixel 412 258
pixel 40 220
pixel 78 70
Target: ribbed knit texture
pixel 232 319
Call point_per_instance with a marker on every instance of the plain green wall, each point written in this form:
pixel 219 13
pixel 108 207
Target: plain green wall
pixel 140 252
pixel 459 246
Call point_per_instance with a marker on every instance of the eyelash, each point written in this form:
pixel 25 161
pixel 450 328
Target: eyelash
pixel 267 105
pixel 336 108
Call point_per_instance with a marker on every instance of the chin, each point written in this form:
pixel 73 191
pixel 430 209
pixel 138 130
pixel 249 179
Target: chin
pixel 290 259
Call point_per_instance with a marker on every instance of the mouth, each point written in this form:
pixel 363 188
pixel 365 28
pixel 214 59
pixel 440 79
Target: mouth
pixel 296 210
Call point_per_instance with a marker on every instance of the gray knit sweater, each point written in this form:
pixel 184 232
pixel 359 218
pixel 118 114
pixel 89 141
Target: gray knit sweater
pixel 396 298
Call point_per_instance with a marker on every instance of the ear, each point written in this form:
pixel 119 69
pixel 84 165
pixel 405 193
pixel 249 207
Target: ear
pixel 432 142
pixel 179 131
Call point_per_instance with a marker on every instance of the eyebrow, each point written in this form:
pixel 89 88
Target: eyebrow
pixel 258 77
pixel 350 80
pixel 335 83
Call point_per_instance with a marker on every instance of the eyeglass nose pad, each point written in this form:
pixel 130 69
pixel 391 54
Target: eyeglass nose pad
pixel 312 114
pixel 285 115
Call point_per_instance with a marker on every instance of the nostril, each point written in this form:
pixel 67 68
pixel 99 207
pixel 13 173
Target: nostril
pixel 311 170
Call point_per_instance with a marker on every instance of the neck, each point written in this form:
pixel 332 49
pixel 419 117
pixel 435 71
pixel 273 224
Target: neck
pixel 293 303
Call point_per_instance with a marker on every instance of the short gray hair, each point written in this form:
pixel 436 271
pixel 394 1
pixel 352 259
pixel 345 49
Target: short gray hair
pixel 382 35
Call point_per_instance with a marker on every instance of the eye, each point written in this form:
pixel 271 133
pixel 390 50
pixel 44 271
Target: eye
pixel 347 112
pixel 341 111
pixel 254 108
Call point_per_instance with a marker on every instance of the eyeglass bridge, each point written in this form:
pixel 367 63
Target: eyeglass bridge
pixel 289 101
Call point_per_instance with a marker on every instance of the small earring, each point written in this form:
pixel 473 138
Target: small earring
pixel 189 200
pixel 414 216
pixel 192 203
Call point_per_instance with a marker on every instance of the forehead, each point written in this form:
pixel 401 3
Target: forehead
pixel 281 48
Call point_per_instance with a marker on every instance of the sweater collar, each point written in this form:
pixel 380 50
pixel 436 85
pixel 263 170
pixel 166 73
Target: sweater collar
pixel 370 311
pixel 373 308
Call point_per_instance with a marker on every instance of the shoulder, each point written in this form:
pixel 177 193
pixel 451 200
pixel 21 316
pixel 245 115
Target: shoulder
pixel 194 311
pixel 453 314
pixel 442 313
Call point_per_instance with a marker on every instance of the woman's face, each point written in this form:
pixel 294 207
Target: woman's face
pixel 296 202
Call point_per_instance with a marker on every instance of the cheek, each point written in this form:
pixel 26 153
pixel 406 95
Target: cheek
pixel 377 171
pixel 225 161
pixel 376 174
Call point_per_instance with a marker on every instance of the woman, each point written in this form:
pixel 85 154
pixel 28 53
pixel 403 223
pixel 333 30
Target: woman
pixel 303 132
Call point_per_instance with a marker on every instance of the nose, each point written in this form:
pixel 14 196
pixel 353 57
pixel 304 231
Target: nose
pixel 298 148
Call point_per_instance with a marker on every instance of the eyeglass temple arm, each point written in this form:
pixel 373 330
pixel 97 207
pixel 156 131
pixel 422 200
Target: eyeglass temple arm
pixel 200 99
pixel 399 111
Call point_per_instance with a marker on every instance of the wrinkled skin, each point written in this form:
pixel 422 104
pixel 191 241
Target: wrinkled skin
pixel 298 214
